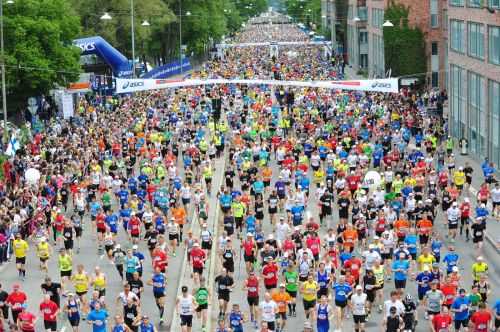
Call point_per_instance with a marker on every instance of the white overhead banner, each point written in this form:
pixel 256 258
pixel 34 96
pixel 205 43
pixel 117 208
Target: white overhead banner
pixel 135 85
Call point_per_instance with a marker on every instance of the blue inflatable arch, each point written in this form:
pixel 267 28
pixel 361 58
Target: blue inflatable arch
pixel 120 65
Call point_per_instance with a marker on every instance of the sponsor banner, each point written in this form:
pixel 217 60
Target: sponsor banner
pixel 169 70
pixel 135 85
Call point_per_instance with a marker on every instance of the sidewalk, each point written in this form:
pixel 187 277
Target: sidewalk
pixel 493 228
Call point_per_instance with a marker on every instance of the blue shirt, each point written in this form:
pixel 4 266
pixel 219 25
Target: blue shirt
pixel 341 291
pixel 147 327
pixel 400 264
pixel 225 200
pixel 451 260
pixel 297 214
pixel 411 241
pixel 112 222
pixel 158 283
pixel 462 304
pixel 426 278
pixel 131 264
pixel 496 307
pixel 123 195
pixel 98 319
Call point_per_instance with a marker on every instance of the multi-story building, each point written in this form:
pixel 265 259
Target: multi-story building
pixel 333 15
pixel 357 35
pixel 429 16
pixel 474 75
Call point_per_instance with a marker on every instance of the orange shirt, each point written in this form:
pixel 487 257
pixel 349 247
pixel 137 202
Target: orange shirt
pixel 349 237
pixel 402 227
pixel 424 226
pixel 179 215
pixel 281 300
pixel 267 173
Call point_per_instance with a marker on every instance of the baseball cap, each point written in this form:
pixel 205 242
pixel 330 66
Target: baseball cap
pixel 135 247
pixel 358 287
pixel 282 285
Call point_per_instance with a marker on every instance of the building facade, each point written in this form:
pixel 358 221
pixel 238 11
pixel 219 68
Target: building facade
pixel 430 16
pixel 357 35
pixel 474 75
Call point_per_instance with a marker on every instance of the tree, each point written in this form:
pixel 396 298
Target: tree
pixel 404 46
pixel 38 46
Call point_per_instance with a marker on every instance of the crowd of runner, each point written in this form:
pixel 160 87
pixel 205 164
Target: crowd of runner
pixel 328 199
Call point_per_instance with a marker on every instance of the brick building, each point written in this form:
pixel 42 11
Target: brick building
pixel 474 75
pixel 428 15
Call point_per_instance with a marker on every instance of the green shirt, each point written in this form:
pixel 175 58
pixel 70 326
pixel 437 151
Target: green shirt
pixel 106 199
pixel 201 296
pixel 291 279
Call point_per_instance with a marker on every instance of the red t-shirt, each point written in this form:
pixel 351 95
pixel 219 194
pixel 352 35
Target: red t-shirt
pixel 27 321
pixel 49 309
pixel 159 259
pixel 314 244
pixel 449 292
pixel 197 257
pixel 15 299
pixel 270 272
pixel 442 322
pixel 480 320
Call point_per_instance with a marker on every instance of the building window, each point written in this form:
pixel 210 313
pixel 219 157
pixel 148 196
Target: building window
pixel 434 48
pixel 494 4
pixel 445 19
pixel 494 44
pixel 477 113
pixel 476 40
pixel 457 102
pixel 435 79
pixel 363 61
pixel 377 17
pixel 474 3
pixel 363 37
pixel 434 14
pixel 457 32
pixel 456 2
pixel 494 120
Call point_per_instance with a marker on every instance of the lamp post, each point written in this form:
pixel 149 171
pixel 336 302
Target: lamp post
pixel 188 13
pixel 107 17
pixel 4 89
pixel 388 24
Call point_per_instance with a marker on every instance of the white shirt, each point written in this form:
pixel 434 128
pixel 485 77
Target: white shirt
pixel 268 310
pixel 186 306
pixel 495 195
pixel 358 304
pixel 400 307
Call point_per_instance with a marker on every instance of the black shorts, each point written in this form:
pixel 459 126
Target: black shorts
pixel 453 225
pixel 359 319
pixel 253 301
pixel 293 294
pixel 198 270
pixel 101 230
pixel 269 287
pixel 386 255
pixel 68 244
pixel 43 259
pixel 477 239
pixel 250 258
pixel 400 283
pixel 52 326
pixel 497 323
pixel 187 320
pixel 80 294
pixel 74 321
pixel 413 256
pixel 201 307
pixel 271 326
pixel 66 274
pixel 495 204
pixel 370 296
pixel 272 210
pixel 172 237
pixel 460 323
pixel 158 295
pixel 223 296
pixel 78 231
pixel 281 315
pixel 267 183
pixel 21 260
pixel 341 304
pixel 206 245
pixel 309 304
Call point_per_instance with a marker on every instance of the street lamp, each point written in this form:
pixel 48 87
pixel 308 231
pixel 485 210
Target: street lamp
pixel 4 89
pixel 387 24
pixel 107 17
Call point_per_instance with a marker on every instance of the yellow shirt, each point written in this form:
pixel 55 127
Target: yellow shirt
pixel 379 275
pixel 309 290
pixel 459 178
pixel 100 282
pixel 425 260
pixel 479 269
pixel 81 282
pixel 43 250
pixel 20 248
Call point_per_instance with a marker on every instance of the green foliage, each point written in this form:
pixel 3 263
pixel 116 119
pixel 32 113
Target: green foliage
pixel 404 45
pixel 39 52
pixel 305 11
